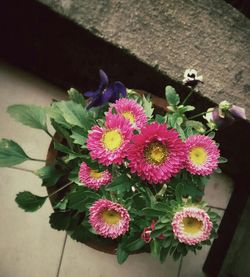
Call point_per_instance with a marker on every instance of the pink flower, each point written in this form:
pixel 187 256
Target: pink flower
pixel 130 110
pixel 146 234
pixel 203 155
pixel 92 178
pixel 109 219
pixel 156 154
pixel 191 225
pixel 108 144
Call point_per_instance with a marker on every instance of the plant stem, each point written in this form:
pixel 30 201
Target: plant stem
pixel 37 160
pixel 48 133
pixel 61 188
pixel 22 169
pixel 197 115
pixel 187 97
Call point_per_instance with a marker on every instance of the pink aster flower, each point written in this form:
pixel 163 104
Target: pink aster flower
pixel 203 155
pixel 92 178
pixel 109 219
pixel 156 154
pixel 191 225
pixel 108 144
pixel 130 110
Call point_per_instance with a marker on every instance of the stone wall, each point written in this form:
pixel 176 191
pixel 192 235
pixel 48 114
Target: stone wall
pixel 208 35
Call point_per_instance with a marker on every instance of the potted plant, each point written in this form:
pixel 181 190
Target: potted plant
pixel 121 177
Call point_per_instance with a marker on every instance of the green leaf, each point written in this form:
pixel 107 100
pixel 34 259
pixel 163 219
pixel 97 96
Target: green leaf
pixel 155 248
pixel 60 220
pixel 78 137
pixel 184 109
pixel 49 175
pixel 30 115
pixel 64 149
pixel 62 204
pixel 197 125
pixel 147 106
pixel 160 119
pixel 222 160
pixel 156 233
pixel 135 245
pixel 75 114
pixel 172 97
pixel 30 202
pixel 76 96
pixel 153 212
pixel 122 255
pixel 120 184
pixel 79 199
pixel 211 135
pixel 55 113
pixel 11 153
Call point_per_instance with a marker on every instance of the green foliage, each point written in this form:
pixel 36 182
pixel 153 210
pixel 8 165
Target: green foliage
pixel 135 245
pixel 11 153
pixel 81 198
pixel 147 106
pixel 30 115
pixel 76 96
pixel 30 202
pixel 120 184
pixel 122 255
pixel 49 174
pixel 172 97
pixel 60 220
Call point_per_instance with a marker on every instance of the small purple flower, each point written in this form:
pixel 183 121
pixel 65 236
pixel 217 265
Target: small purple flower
pixel 106 92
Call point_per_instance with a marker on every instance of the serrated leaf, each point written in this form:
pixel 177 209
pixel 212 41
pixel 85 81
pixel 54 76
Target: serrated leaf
pixel 30 202
pixel 76 96
pixel 60 220
pixel 55 113
pixel 172 97
pixel 49 175
pixel 30 115
pixel 11 153
pixel 135 245
pixel 147 106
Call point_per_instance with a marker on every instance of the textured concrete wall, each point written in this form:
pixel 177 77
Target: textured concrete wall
pixel 173 35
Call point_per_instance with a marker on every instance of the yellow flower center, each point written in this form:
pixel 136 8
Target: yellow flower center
pixel 129 116
pixel 111 217
pixel 156 152
pixel 112 139
pixel 192 225
pixel 95 174
pixel 198 155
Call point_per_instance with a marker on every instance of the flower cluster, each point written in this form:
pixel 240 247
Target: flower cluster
pixel 135 176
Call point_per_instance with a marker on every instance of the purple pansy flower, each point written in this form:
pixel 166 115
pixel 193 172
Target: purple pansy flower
pixel 106 92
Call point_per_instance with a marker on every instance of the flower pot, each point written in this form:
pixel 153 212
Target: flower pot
pixel 105 245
